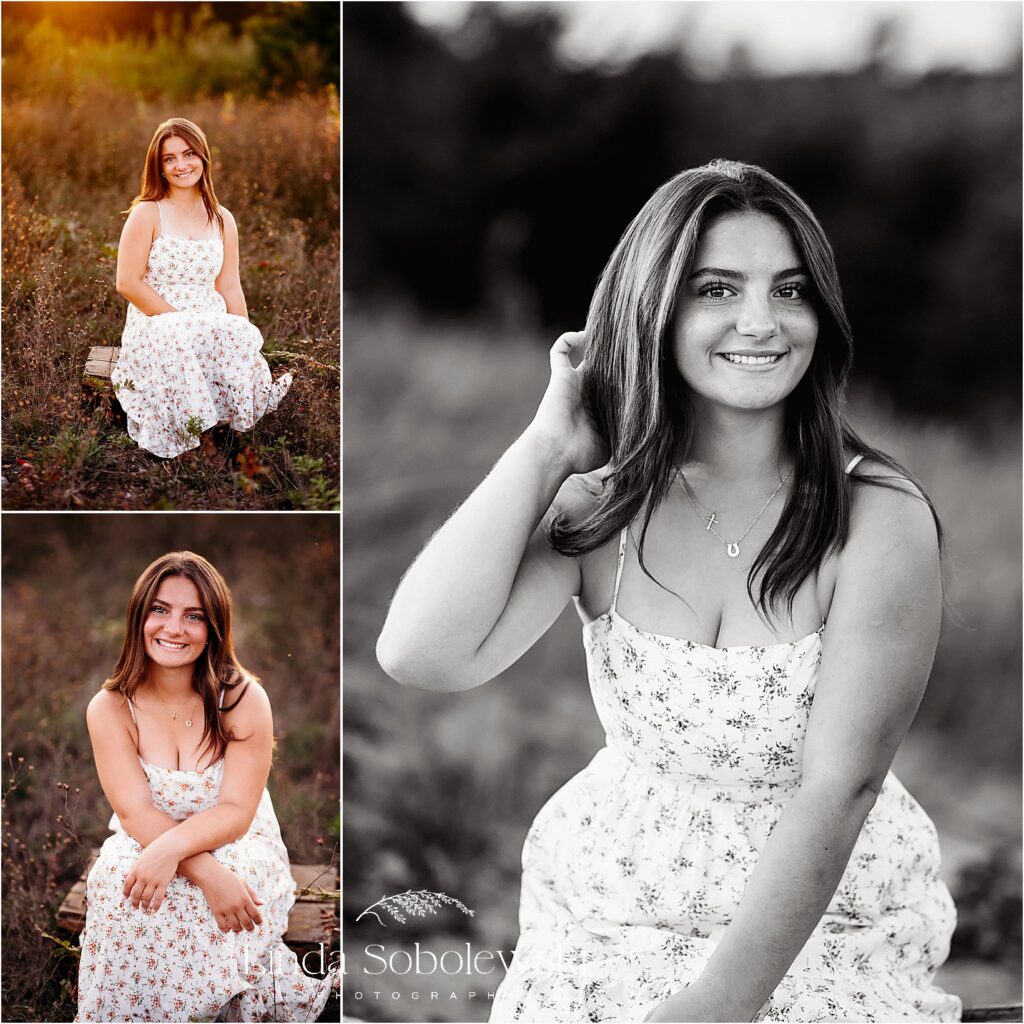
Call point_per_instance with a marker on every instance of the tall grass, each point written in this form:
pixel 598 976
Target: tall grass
pixel 440 789
pixel 66 580
pixel 71 166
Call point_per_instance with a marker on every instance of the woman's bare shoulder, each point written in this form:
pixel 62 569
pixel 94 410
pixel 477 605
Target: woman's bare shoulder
pixel 869 470
pixel 247 704
pixel 107 709
pixel 888 510
pixel 144 213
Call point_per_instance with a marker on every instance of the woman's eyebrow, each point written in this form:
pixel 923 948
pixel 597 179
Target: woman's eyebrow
pixel 738 275
pixel 169 604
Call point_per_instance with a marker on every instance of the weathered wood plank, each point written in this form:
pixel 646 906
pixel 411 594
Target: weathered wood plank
pixel 313 920
pixel 101 361
pixel 309 924
pixel 71 916
pixel 993 1013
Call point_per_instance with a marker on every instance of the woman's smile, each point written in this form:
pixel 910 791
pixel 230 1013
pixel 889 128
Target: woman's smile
pixel 753 360
pixel 171 645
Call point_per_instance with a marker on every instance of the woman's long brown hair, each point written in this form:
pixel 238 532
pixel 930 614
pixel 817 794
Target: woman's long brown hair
pixel 217 669
pixel 639 402
pixel 153 185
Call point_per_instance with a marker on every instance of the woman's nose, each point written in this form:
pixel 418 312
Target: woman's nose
pixel 757 319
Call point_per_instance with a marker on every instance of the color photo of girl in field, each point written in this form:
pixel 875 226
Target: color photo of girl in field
pixel 190 357
pixel 185 403
pixel 189 899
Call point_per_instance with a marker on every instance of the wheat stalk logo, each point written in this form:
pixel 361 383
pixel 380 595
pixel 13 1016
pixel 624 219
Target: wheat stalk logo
pixel 418 903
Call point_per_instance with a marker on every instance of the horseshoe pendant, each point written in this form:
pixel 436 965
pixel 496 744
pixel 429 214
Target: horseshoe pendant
pixel 732 550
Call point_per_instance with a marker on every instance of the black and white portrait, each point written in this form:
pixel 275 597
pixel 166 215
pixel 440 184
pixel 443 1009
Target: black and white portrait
pixel 682 570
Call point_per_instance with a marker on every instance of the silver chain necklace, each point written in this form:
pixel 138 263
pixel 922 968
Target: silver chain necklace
pixel 732 547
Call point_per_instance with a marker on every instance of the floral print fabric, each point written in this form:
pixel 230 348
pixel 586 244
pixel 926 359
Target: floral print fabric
pixel 633 870
pixel 177 965
pixel 182 373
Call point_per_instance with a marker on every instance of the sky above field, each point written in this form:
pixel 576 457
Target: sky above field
pixel 779 38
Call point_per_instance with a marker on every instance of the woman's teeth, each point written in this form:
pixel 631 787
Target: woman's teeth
pixel 751 360
pixel 170 645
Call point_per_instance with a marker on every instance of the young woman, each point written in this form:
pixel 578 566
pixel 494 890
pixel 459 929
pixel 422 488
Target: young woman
pixel 190 358
pixel 189 899
pixel 760 597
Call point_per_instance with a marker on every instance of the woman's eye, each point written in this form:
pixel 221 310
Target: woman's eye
pixel 195 616
pixel 793 290
pixel 157 609
pixel 715 290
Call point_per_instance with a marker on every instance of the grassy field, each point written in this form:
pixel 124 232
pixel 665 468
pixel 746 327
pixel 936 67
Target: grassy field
pixel 71 165
pixel 66 581
pixel 440 789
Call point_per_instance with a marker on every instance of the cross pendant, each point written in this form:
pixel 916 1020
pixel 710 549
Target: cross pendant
pixel 712 519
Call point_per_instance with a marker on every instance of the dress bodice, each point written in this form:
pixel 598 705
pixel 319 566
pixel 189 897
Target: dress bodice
pixel 175 261
pixel 731 717
pixel 183 271
pixel 182 793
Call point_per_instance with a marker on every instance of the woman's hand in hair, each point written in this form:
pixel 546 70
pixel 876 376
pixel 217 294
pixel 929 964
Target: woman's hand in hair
pixel 232 901
pixel 561 422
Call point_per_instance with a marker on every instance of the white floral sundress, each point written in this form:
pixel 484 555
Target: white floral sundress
pixel 182 373
pixel 177 965
pixel 633 870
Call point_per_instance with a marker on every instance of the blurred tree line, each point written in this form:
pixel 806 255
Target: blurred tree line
pixel 485 176
pixel 180 50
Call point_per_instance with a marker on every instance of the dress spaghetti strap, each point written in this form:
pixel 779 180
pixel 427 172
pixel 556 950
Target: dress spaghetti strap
pixel 853 464
pixel 160 210
pixel 131 708
pixel 618 568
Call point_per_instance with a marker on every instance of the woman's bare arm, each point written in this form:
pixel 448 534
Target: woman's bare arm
pixel 140 229
pixel 228 282
pixel 487 585
pixel 877 654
